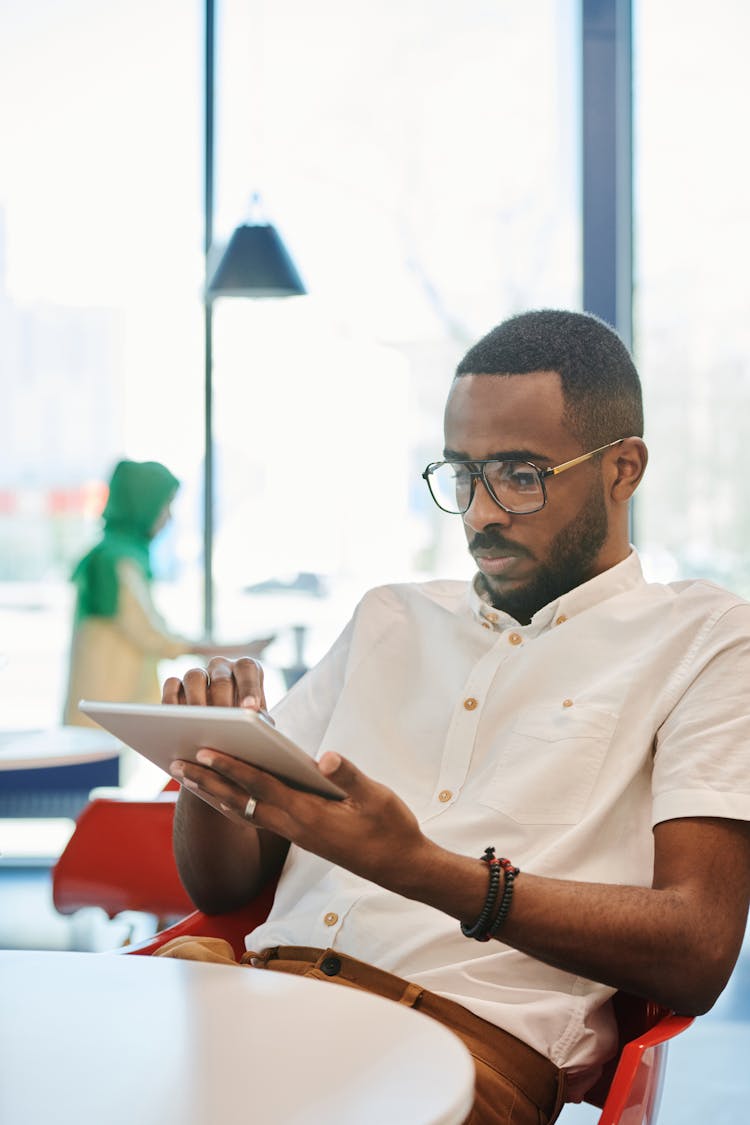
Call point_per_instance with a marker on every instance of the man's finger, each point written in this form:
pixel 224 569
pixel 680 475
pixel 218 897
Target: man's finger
pixel 212 787
pixel 173 691
pixel 221 689
pixel 195 686
pixel 239 773
pixel 343 772
pixel 248 676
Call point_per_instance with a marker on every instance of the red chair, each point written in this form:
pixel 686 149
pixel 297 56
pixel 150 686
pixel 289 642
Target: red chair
pixel 629 1090
pixel 120 858
pixel 231 926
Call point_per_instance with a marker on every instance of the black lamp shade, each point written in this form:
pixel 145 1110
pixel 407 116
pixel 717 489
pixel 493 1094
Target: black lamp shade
pixel 255 264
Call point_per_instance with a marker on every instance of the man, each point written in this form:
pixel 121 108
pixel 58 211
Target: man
pixel 589 726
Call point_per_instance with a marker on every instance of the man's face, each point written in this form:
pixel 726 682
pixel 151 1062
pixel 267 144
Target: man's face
pixel 528 560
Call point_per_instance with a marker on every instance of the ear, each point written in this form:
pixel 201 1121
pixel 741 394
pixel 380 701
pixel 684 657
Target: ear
pixel 628 466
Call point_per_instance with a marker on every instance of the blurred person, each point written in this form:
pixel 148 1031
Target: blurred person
pixel 118 636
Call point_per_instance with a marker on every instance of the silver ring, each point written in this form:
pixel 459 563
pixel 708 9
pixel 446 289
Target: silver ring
pixel 208 677
pixel 250 808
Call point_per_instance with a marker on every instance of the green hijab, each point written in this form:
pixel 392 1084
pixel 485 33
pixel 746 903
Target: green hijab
pixel 138 493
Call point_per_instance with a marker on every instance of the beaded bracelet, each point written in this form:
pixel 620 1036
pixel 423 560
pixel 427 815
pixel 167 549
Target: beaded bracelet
pixel 483 929
pixel 505 901
pixel 479 929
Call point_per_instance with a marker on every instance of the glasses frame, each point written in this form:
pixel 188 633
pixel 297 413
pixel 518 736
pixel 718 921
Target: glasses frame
pixel 479 472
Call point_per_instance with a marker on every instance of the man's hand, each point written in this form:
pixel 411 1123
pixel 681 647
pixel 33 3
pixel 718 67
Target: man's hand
pixel 224 683
pixel 221 864
pixel 371 832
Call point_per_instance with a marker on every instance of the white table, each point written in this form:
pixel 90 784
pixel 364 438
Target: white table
pixel 57 746
pixel 87 1038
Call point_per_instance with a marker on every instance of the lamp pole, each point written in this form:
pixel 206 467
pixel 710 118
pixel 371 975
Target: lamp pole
pixel 208 222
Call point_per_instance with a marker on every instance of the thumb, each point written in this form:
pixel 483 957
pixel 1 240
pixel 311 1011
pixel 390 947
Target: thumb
pixel 341 770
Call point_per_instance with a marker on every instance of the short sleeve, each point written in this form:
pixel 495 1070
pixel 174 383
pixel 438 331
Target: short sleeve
pixel 702 755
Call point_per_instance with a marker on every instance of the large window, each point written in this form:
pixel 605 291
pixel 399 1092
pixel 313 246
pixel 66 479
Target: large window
pixel 421 162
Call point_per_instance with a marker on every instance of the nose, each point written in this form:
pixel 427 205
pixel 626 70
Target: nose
pixel 483 510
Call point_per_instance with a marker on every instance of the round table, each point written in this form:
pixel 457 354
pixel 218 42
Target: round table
pixel 87 1038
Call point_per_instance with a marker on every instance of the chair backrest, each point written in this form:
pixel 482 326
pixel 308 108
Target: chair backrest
pixel 120 857
pixel 629 1089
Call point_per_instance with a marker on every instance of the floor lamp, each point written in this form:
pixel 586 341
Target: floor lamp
pixel 255 264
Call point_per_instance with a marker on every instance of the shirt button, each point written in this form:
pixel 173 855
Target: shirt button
pixel 491 617
pixel 331 919
pixel 567 702
pixel 470 703
pixel 444 795
pixel 561 619
pixel 486 625
pixel 515 638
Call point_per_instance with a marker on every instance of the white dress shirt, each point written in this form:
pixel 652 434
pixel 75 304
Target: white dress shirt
pixel 561 743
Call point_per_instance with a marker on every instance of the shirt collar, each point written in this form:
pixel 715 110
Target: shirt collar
pixel 617 579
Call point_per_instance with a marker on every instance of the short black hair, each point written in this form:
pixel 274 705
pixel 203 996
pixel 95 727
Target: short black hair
pixel 600 384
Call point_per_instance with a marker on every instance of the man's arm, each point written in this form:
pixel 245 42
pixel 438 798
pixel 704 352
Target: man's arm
pixel 222 865
pixel 675 942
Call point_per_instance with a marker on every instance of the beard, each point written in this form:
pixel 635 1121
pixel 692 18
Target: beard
pixel 569 562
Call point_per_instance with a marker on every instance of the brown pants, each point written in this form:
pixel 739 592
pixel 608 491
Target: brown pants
pixel 515 1085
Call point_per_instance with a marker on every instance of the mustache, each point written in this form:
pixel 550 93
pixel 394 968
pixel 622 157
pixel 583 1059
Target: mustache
pixel 494 541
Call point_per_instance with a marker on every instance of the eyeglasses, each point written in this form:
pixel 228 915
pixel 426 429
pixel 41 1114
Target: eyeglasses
pixel 515 486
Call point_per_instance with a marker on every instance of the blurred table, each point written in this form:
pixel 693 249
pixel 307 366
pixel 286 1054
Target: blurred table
pixel 67 763
pixel 93 1037
pixel 57 746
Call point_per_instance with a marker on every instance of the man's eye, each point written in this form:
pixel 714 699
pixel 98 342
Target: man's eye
pixel 520 477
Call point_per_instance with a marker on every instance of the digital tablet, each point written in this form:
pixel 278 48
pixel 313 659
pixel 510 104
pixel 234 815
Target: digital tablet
pixel 163 732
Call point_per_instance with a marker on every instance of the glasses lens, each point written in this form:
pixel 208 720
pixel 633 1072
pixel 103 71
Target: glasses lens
pixel 450 485
pixel 516 485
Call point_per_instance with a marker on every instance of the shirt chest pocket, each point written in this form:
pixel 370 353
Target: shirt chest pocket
pixel 546 768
